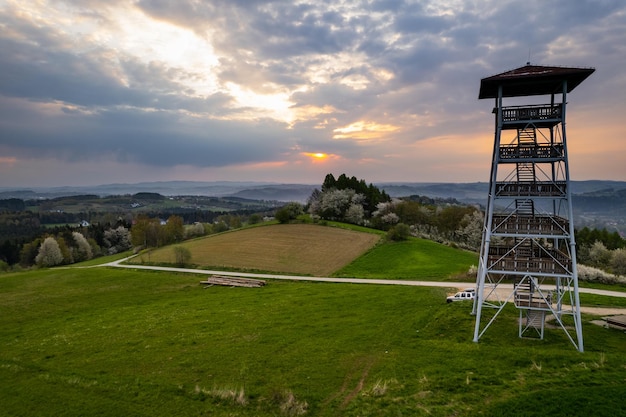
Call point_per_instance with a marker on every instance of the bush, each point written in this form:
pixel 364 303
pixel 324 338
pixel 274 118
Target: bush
pixel 591 274
pixel 289 212
pixel 182 255
pixel 399 232
pixel 255 219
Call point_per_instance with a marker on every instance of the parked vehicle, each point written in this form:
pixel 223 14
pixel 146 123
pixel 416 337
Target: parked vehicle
pixel 462 295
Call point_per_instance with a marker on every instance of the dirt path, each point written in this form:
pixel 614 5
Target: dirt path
pixel 505 288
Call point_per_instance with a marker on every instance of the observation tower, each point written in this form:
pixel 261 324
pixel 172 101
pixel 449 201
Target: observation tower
pixel 528 251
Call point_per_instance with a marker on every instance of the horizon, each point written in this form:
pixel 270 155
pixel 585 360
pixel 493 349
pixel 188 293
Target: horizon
pixel 256 184
pixel 123 92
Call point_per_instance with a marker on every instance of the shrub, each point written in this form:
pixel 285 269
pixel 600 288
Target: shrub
pixel 182 255
pixel 399 232
pixel 591 274
pixel 289 212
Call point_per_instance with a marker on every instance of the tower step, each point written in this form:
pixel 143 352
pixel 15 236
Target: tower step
pixel 535 319
pixel 526 172
pixel 525 207
pixel 527 136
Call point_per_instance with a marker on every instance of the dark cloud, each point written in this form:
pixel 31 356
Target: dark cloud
pixel 413 65
pixel 151 138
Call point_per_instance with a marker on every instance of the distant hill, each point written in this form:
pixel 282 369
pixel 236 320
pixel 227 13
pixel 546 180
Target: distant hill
pixel 474 192
pixel 597 203
pixel 596 196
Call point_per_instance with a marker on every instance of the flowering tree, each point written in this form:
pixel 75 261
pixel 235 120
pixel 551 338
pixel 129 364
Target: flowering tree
pixel 471 229
pixel 49 253
pixel 618 261
pixel 117 240
pixel 83 248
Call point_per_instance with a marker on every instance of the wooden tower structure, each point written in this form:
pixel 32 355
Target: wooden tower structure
pixel 528 251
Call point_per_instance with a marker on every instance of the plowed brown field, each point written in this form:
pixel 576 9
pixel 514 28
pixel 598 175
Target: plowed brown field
pixel 303 249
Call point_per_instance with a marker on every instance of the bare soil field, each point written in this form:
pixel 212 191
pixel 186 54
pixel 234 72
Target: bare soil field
pixel 285 248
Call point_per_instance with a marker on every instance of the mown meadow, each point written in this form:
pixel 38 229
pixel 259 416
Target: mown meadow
pixel 110 342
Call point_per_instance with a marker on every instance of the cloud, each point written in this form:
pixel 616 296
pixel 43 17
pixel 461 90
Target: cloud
pixel 257 83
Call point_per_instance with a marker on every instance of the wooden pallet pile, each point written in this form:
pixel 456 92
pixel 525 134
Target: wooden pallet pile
pixel 232 282
pixel 617 322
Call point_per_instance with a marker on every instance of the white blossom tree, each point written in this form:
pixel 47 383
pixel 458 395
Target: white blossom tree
pixel 49 253
pixel 83 248
pixel 618 261
pixel 355 214
pixel 194 230
pixel 472 231
pixel 599 255
pixel 117 240
pixel 334 204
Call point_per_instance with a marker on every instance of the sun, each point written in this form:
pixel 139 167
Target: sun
pixel 316 156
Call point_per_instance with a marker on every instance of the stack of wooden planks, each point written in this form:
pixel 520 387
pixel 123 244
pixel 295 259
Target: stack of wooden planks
pixel 617 322
pixel 232 281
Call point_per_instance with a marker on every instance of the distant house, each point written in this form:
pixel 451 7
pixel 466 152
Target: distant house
pixel 83 223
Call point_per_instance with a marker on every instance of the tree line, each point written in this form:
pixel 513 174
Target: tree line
pixel 62 245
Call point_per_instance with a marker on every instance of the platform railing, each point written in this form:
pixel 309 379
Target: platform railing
pixel 540 112
pixel 531 189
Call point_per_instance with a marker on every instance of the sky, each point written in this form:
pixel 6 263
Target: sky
pixel 111 91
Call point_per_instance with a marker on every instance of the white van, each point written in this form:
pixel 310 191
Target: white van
pixel 460 296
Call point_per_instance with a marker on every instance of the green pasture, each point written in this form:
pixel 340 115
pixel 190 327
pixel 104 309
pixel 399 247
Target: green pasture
pixel 415 259
pixel 112 342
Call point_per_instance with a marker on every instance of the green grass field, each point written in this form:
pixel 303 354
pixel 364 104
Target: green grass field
pixel 415 259
pixel 110 342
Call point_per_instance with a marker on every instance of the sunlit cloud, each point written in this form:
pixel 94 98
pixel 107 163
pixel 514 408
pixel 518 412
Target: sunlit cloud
pixel 310 111
pixel 135 34
pixel 363 130
pixel 276 106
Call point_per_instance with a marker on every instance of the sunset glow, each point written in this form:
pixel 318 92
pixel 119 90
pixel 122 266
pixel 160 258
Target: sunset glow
pixel 316 156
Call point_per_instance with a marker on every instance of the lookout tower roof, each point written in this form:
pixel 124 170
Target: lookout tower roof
pixel 533 80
